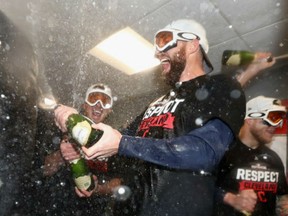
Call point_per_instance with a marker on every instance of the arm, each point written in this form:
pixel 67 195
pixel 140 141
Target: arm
pixel 200 149
pixel 260 63
pixel 61 114
pixel 69 151
pixel 244 201
pixel 52 163
pixel 55 160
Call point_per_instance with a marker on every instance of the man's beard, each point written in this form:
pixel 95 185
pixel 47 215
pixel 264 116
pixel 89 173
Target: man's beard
pixel 262 140
pixel 177 67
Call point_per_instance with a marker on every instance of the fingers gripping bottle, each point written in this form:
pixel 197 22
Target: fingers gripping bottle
pixel 79 129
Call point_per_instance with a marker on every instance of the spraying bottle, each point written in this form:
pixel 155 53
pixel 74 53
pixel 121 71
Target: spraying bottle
pixel 80 130
pixel 239 57
pixel 81 174
pixel 78 126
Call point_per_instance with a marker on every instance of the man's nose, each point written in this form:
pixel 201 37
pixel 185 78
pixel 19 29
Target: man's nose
pixel 98 104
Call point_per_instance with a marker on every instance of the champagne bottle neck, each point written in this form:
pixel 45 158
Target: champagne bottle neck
pixel 237 57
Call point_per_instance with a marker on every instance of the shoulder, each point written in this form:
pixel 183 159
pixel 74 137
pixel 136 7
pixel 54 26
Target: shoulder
pixel 225 88
pixel 236 147
pixel 219 87
pixel 232 155
pixel 229 98
pixel 225 81
pixel 272 153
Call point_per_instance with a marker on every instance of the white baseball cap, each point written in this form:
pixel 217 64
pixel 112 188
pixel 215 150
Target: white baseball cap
pixel 266 108
pixel 191 26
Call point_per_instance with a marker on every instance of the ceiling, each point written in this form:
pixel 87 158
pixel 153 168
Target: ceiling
pixel 63 31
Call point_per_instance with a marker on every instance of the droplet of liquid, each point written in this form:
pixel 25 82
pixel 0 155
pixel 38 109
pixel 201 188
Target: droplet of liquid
pixel 121 193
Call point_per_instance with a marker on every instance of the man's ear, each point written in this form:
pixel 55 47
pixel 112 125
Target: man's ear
pixel 248 121
pixel 193 46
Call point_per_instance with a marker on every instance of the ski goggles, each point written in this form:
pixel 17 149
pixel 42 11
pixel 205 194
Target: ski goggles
pixel 273 118
pixel 166 39
pixel 97 97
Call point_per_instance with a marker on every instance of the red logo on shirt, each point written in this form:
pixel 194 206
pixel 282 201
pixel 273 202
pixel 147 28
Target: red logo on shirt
pixel 165 121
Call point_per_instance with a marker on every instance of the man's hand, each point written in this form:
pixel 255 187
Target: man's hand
pixel 68 150
pixel 282 205
pixel 61 114
pixel 245 201
pixel 107 146
pixel 256 67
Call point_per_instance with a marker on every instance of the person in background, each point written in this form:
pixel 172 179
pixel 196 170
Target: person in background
pixel 108 174
pixel 183 135
pixel 97 112
pixel 251 176
pixel 22 83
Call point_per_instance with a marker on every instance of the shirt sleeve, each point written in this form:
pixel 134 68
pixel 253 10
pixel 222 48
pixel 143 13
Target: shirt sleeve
pixel 199 150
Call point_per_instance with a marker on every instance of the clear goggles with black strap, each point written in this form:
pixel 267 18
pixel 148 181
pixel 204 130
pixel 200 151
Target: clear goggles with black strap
pixel 166 39
pixel 97 97
pixel 272 118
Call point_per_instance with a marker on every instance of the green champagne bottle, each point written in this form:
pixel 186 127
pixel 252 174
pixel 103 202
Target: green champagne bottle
pixel 237 57
pixel 81 174
pixel 80 130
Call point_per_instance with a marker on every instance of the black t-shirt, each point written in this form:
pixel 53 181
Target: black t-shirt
pixel 259 169
pixel 186 107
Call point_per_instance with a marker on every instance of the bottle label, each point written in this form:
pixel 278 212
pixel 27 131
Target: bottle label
pixel 81 132
pixel 234 60
pixel 75 161
pixel 83 182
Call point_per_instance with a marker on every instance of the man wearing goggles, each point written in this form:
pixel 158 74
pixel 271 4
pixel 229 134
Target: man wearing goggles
pixel 269 110
pixel 98 102
pixel 173 63
pixel 182 135
pixel 166 39
pixel 108 174
pixel 251 157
